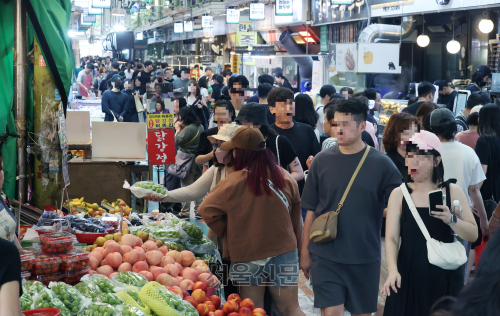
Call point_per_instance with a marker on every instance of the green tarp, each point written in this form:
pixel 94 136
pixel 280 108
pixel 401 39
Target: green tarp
pixel 49 22
pixel 6 94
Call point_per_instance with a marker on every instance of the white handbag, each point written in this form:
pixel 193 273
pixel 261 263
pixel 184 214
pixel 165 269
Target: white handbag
pixel 447 256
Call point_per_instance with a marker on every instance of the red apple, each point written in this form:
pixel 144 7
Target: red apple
pixel 216 300
pixel 258 312
pixel 200 285
pixel 202 309
pixel 230 306
pixel 244 311
pixel 235 298
pixel 248 303
pixel 192 300
pixel 199 295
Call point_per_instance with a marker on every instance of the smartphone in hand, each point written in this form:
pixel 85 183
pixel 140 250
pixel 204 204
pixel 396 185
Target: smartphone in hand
pixel 435 198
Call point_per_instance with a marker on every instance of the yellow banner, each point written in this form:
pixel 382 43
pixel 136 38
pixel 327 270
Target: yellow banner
pixel 156 121
pixel 246 37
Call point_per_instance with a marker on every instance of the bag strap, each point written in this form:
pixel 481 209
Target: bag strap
pixel 192 139
pixel 492 173
pixel 277 150
pixel 352 179
pixel 279 194
pixel 414 212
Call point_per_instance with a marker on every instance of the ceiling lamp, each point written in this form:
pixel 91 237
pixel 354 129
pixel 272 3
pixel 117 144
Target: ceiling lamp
pixel 423 40
pixel 453 46
pixel 486 25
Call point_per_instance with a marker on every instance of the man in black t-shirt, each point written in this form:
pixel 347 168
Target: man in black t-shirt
pixel 426 91
pixel 145 76
pixel 302 136
pixel 10 279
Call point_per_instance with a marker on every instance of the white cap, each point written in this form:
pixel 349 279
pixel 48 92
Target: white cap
pixel 226 132
pixel 456 203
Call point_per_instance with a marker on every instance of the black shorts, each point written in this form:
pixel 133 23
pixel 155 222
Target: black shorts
pixel 354 285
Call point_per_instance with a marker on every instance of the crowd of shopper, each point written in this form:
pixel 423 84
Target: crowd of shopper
pixel 267 165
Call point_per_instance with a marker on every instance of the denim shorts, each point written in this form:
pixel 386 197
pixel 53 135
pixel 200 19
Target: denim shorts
pixel 282 270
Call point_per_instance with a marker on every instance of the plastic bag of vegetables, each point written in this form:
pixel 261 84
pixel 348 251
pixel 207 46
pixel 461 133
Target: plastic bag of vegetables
pixel 130 278
pixel 47 299
pixel 142 188
pixel 161 301
pixel 104 284
pixel 130 295
pixel 70 296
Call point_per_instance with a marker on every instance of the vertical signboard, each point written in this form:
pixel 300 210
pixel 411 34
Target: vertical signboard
pixel 161 144
pixel 178 27
pixel 196 24
pixel 323 38
pixel 101 4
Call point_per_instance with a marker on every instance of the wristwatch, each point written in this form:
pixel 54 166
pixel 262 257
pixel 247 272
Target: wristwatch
pixel 453 220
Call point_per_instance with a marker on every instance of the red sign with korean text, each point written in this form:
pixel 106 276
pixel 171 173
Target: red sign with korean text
pixel 161 146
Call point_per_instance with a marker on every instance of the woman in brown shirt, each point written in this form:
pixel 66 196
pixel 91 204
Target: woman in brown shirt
pixel 256 213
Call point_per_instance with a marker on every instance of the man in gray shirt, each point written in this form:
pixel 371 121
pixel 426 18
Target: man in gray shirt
pixel 84 81
pixel 181 84
pixel 347 269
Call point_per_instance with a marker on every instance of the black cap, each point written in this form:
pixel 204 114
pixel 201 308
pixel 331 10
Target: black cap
pixel 441 117
pixel 485 70
pixel 253 113
pixel 441 84
pixel 115 78
pixel 115 65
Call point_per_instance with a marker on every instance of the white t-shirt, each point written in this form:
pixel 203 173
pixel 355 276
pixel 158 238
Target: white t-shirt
pixel 204 92
pixel 461 162
pixel 128 73
pixel 320 109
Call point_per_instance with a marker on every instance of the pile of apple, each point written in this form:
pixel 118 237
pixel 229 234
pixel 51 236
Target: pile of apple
pixel 167 267
pixel 211 306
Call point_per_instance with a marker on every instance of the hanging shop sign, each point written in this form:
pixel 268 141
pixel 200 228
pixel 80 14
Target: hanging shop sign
pixel 378 58
pixel 257 11
pixel 101 4
pixel 349 2
pixel 87 18
pixel 284 7
pixel 347 57
pixel 94 11
pixel 82 22
pixel 407 7
pixel 325 11
pixel 178 27
pixel 197 24
pixel 207 22
pixel 161 146
pixel 232 16
pixel 194 73
pixel 188 26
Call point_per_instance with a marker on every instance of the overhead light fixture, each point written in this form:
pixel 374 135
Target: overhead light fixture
pixel 453 46
pixel 148 6
pixel 423 40
pixel 232 53
pixel 486 25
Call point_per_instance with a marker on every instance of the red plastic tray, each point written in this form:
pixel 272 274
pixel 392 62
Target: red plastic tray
pixel 43 312
pixel 90 238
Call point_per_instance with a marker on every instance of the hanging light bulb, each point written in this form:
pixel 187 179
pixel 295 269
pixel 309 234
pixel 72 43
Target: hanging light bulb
pixel 453 46
pixel 148 6
pixel 486 26
pixel 423 40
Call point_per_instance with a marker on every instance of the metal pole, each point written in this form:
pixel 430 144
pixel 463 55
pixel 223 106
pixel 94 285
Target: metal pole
pixel 20 96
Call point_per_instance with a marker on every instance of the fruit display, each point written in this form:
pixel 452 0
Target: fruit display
pixel 100 309
pixel 88 290
pixel 33 287
pixel 25 300
pixel 47 299
pixel 109 298
pixel 57 242
pixel 104 284
pixel 74 260
pixel 44 264
pixel 194 231
pixel 71 298
pixel 75 276
pixel 132 311
pixel 27 259
pixel 389 107
pixel 130 278
pixel 142 188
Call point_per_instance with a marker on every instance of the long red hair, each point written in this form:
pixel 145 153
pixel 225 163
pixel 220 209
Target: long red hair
pixel 258 164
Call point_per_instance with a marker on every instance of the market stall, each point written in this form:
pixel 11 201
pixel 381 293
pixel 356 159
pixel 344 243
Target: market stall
pixel 129 264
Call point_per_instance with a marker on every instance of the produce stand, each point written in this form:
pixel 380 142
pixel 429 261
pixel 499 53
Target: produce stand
pixel 159 265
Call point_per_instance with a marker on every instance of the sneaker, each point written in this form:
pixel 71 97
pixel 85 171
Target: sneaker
pixel 197 215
